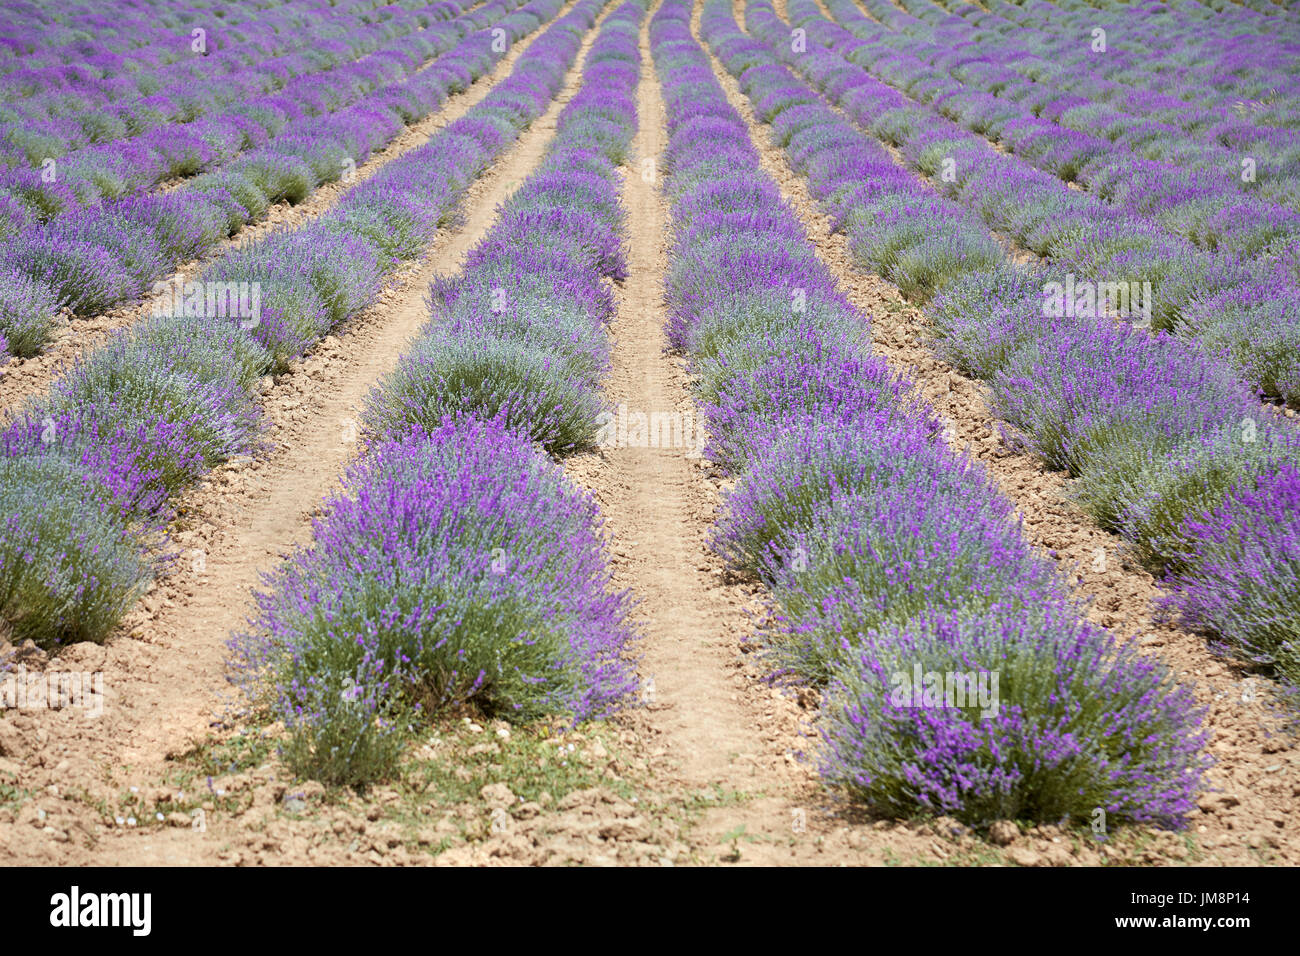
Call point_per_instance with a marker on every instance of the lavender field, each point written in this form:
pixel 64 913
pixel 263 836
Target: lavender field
pixel 650 432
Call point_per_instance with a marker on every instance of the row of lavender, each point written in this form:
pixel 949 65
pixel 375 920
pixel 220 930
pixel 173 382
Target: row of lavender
pixel 1193 61
pixel 165 136
pixel 1216 60
pixel 1222 55
pixel 90 259
pixel 1236 62
pixel 1246 315
pixel 118 53
pixel 1268 8
pixel 458 565
pixel 1249 311
pixel 891 560
pixel 1167 447
pixel 34 37
pixel 87 471
pixel 1200 182
pixel 1203 175
pixel 58 120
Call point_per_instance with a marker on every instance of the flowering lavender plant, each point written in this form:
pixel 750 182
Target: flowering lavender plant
pixel 1077 722
pixel 462 567
pixel 1242 570
pixel 70 566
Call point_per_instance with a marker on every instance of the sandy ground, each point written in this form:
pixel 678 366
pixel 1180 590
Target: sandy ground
pixel 713 767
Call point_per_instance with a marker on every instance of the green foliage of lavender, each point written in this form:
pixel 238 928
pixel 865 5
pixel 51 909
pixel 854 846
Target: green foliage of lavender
pixel 70 565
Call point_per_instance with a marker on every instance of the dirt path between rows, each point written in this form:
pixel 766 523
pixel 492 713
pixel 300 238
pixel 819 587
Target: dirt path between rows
pixel 715 734
pixel 1250 816
pixel 23 378
pixel 715 729
pixel 707 734
pixel 164 675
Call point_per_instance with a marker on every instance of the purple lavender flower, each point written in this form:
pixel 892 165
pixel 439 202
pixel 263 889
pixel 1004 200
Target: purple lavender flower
pixel 1020 713
pixel 1242 570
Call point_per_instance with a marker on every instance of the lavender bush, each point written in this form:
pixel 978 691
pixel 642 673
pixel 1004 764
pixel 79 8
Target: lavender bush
pixel 1078 722
pixel 456 567
pixel 475 372
pixel 1242 570
pixel 70 565
pixel 25 307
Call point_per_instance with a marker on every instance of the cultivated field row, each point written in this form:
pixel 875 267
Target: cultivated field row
pixel 689 441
